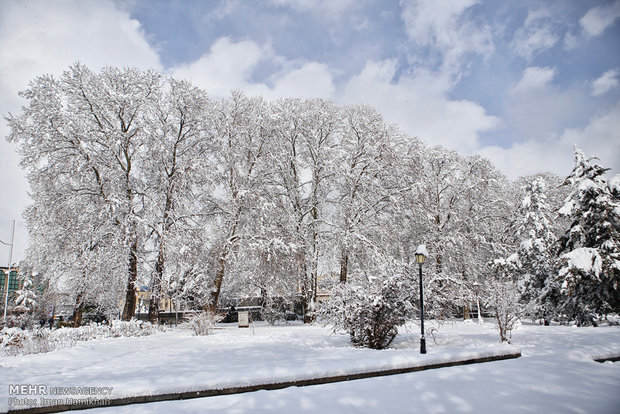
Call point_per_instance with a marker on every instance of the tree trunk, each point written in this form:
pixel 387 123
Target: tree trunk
pixel 78 310
pixel 129 310
pixel 314 265
pixel 304 305
pixel 156 289
pixel 217 283
pixel 303 286
pixel 344 267
pixel 160 263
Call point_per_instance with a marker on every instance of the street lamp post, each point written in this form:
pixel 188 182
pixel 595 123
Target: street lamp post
pixel 8 276
pixel 420 256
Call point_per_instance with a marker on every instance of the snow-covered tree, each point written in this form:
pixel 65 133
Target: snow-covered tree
pixel 589 265
pixel 110 110
pixel 173 168
pixel 199 196
pixel 304 136
pixel 365 186
pixel 239 171
pixel 536 252
pixel 75 219
pixel 26 297
pixel 458 208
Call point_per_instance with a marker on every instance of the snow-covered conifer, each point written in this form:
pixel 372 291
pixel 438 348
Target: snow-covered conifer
pixel 589 265
pixel 536 252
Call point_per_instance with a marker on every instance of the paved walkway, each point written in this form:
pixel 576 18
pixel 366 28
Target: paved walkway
pixel 112 402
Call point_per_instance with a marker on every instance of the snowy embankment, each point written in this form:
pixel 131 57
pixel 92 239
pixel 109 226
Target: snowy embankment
pixel 176 361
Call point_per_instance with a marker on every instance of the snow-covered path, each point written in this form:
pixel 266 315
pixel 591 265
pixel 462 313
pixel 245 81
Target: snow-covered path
pixel 555 374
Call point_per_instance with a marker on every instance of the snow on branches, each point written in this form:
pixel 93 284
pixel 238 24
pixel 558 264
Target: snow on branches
pixel 589 261
pixel 139 179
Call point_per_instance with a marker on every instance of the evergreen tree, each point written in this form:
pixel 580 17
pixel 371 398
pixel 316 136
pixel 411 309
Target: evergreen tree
pixel 539 290
pixel 589 265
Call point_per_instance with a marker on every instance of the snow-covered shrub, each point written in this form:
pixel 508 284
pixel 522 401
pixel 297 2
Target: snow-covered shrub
pixel 371 311
pixel 204 322
pixel 133 327
pixel 271 314
pixel 273 311
pixel 16 341
pixel 20 320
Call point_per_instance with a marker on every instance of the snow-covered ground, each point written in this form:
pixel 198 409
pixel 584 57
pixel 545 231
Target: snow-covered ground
pixel 556 374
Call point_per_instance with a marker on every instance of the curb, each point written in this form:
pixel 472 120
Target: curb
pixel 212 392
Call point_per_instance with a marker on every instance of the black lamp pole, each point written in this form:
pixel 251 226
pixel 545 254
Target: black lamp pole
pixel 422 338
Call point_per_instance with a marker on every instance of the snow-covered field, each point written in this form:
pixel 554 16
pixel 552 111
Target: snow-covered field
pixel 556 373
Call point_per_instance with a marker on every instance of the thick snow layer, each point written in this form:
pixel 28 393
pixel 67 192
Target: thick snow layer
pixel 422 250
pixel 585 259
pixel 567 208
pixel 555 374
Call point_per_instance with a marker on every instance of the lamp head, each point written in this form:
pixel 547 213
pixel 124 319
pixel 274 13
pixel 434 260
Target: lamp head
pixel 420 254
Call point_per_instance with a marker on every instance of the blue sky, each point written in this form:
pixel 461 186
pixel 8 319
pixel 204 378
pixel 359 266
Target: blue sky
pixel 520 82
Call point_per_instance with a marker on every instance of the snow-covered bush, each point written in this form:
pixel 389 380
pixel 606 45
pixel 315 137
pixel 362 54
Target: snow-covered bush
pixel 204 322
pixel 370 311
pixel 16 341
pixel 272 312
pixel 133 327
pixel 20 320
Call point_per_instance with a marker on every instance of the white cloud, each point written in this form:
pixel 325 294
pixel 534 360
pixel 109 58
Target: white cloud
pixel 420 105
pixel 536 35
pixel 442 26
pixel 38 37
pixel 311 80
pixel 230 65
pixel 326 8
pixel 530 157
pixel 597 138
pixel 605 83
pixel 599 18
pixel 539 108
pixel 534 78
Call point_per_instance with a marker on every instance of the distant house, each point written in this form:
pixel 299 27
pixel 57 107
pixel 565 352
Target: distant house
pixel 143 299
pixel 15 282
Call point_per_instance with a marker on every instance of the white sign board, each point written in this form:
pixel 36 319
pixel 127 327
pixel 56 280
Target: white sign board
pixel 244 320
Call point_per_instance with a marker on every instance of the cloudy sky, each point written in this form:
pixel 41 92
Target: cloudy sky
pixel 520 82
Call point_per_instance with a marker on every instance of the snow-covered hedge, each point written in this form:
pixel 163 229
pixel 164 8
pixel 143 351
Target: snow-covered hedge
pixel 16 341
